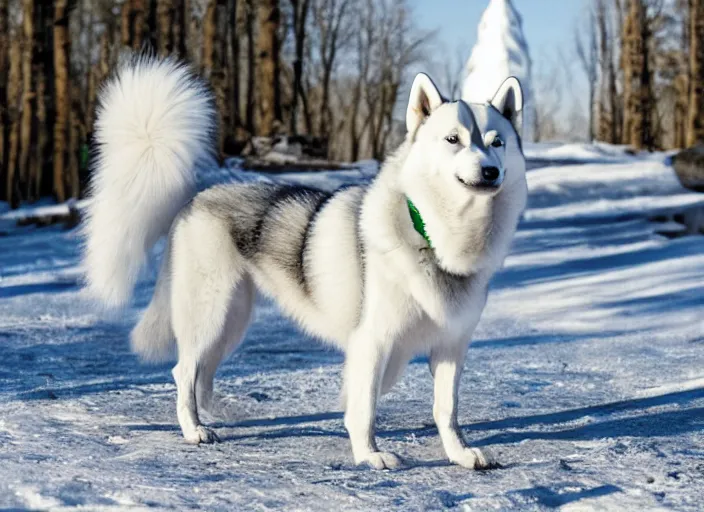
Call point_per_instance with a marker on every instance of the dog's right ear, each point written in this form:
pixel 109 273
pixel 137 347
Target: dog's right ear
pixel 424 98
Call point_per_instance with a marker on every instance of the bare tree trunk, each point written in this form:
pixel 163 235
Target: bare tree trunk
pixel 135 23
pixel 307 116
pixel 695 130
pixel 195 34
pixel 632 63
pixel 4 121
pixel 680 117
pixel 627 67
pixel 209 36
pixel 76 130
pixel 618 100
pixel 28 93
pixel 609 114
pixel 300 16
pixel 588 54
pixel 43 71
pixel 62 119
pixel 97 75
pixel 605 114
pixel 215 60
pixel 14 94
pixel 180 27
pixel 268 20
pixel 364 38
pixel 251 66
pixel 385 121
pixel 354 134
pixel 616 105
pixel 87 98
pixel 235 20
pixel 42 149
pixel 647 131
pixel 329 18
pixel 126 23
pixel 166 27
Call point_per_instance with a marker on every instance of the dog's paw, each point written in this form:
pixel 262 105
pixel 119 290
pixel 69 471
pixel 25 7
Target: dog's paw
pixel 381 460
pixel 474 458
pixel 201 434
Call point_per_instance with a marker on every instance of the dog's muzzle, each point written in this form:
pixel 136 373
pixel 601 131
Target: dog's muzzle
pixel 489 179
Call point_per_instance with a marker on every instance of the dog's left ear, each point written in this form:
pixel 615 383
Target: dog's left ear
pixel 509 101
pixel 424 98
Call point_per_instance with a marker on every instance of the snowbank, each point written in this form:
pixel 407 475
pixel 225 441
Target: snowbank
pixel 501 51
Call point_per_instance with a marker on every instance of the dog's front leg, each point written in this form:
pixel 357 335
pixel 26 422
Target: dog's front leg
pixel 364 368
pixel 446 365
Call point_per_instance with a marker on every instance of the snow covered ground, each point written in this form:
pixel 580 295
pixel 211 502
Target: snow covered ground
pixel 586 377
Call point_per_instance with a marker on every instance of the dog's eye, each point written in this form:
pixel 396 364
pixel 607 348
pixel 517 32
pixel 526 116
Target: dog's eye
pixel 452 139
pixel 497 143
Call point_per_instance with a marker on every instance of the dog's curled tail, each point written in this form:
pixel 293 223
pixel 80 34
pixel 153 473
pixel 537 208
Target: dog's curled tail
pixel 156 122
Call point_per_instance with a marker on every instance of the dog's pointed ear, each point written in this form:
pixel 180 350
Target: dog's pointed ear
pixel 509 101
pixel 424 98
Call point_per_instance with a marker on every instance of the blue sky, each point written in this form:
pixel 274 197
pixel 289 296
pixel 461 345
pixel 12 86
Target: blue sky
pixel 548 24
pixel 549 27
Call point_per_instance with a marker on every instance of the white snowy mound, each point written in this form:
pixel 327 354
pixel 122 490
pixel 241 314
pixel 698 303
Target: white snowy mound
pixel 501 51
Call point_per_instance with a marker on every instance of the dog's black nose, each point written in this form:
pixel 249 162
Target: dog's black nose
pixel 490 173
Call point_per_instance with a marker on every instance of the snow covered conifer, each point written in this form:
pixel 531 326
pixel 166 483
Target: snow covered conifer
pixel 501 51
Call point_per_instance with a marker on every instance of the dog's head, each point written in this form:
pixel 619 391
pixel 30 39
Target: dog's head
pixel 464 170
pixel 467 149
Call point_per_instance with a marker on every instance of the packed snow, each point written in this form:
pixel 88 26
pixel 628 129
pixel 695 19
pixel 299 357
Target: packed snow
pixel 501 51
pixel 585 377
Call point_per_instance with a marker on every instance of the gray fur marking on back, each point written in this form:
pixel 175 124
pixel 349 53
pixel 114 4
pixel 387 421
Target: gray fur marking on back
pixel 264 222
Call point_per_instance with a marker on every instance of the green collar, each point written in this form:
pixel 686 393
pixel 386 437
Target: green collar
pixel 418 221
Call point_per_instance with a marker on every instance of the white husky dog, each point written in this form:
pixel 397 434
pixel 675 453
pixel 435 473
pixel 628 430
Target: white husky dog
pixel 384 272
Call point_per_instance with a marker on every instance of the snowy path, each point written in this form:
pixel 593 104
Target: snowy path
pixel 586 378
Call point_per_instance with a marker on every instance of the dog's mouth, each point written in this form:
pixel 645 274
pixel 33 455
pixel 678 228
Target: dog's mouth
pixel 480 186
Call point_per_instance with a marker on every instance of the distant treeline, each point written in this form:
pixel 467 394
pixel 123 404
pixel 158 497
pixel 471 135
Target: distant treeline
pixel 326 69
pixel 645 62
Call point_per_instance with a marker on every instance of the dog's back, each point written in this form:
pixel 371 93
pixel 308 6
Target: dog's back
pixel 300 245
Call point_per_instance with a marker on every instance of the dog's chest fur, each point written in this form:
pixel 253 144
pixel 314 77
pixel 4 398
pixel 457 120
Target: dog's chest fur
pixel 448 308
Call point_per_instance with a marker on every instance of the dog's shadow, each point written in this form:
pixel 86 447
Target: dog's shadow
pixel 647 424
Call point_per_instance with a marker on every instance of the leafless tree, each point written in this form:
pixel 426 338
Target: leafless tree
pixel 695 129
pixel 449 71
pixel 638 74
pixel 365 36
pixel 587 50
pixel 329 17
pixel 398 47
pixel 549 79
pixel 4 69
pixel 609 109
pixel 214 61
pixel 331 69
pixel 14 105
pixel 62 85
pixel 300 10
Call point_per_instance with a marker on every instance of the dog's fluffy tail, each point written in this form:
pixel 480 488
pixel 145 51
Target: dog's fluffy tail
pixel 156 122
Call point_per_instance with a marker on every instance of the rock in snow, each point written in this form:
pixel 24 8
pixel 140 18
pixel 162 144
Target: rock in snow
pixel 501 51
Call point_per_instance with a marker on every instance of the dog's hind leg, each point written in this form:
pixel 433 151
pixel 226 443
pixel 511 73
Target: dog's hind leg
pixel 205 274
pixel 238 316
